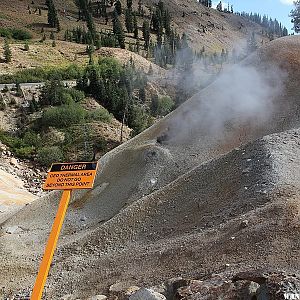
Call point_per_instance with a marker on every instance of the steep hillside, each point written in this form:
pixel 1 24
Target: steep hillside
pixel 204 27
pixel 222 30
pixel 172 201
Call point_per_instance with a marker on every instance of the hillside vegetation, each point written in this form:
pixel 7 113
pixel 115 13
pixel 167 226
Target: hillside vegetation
pixel 66 40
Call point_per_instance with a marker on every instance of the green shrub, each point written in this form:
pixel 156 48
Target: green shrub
pixel 32 139
pixel 24 152
pixel 15 33
pixel 2 104
pixel 165 105
pixel 137 119
pixel 63 116
pixel 100 114
pixel 17 145
pixel 48 155
pixel 66 98
pixel 11 141
pixel 77 95
pixel 26 46
pixel 41 74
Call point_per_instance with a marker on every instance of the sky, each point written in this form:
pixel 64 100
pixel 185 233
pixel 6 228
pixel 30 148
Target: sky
pixel 278 9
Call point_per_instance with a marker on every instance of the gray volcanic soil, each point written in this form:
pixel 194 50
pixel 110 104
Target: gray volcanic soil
pixel 175 209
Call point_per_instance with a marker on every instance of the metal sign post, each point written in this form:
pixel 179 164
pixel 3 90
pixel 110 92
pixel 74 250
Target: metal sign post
pixel 64 177
pixel 51 246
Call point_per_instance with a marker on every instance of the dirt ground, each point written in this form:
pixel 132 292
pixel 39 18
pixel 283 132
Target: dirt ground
pixel 175 208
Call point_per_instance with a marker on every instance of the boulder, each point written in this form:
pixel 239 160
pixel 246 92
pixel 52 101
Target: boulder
pixel 13 229
pixel 146 294
pixel 122 290
pixel 13 161
pixel 98 297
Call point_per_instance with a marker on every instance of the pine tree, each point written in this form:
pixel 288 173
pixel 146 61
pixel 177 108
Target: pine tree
pixel 118 7
pixel 7 52
pixel 91 26
pixel 98 42
pixel 251 43
pixel 52 15
pixel 150 72
pixel 26 46
pixel 85 12
pixel 146 34
pixel 220 6
pixel 154 105
pixel 129 20
pixel 140 7
pixel 118 31
pixel 295 15
pixel 18 90
pixel 135 27
pixel 129 4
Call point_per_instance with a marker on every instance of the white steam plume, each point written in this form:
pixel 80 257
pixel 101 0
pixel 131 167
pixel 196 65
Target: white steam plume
pixel 241 95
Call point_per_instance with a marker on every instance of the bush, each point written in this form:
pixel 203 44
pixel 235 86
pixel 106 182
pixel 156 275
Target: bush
pixel 11 141
pixel 48 155
pixel 165 105
pixel 32 139
pixel 137 119
pixel 76 95
pixel 63 116
pixel 26 47
pixel 17 145
pixel 15 33
pixel 100 114
pixel 54 93
pixel 24 152
pixel 66 98
pixel 43 74
pixel 2 104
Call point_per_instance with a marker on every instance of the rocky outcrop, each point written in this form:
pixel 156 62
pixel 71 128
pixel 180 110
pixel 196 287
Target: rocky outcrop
pixel 247 286
pixel 146 294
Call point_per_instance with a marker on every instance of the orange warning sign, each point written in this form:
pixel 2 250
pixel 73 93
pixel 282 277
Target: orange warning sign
pixel 68 176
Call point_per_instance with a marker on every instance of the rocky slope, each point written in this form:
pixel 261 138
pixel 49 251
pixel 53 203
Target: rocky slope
pixel 19 185
pixel 221 30
pixel 206 190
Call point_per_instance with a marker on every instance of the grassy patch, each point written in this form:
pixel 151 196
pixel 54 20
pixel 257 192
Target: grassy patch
pixel 42 74
pixel 3 16
pixel 15 33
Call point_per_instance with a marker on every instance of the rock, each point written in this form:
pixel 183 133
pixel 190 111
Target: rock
pixel 131 290
pixel 122 291
pixel 245 224
pixel 98 297
pixel 262 293
pixel 83 218
pixel 13 161
pixel 13 229
pixel 162 289
pixel 67 297
pixel 174 284
pixel 146 294
pixel 247 289
pixel 118 287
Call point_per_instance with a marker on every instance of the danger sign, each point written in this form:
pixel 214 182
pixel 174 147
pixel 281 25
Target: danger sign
pixel 68 176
